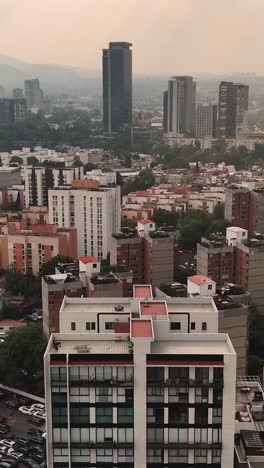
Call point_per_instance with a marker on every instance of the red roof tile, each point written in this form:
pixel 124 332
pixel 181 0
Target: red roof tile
pixel 141 328
pixel 88 260
pixel 153 308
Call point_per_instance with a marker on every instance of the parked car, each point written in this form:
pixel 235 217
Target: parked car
pixel 7 443
pixel 26 410
pixel 30 462
pixel 37 456
pixel 12 404
pixel 22 441
pixel 36 421
pixel 38 406
pixel 36 440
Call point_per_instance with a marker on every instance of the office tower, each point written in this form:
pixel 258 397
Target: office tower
pixel 38 180
pixel 139 385
pixel 206 120
pixel 93 209
pixel 165 112
pixel 117 87
pixel 2 91
pixel 18 93
pixel 179 106
pixel 33 93
pixel 232 109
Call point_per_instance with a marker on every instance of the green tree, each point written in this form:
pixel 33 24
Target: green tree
pixel 144 180
pixel 77 162
pixel 183 272
pixel 48 268
pixel 21 359
pixel 33 161
pixel 166 218
pixel 126 222
pixel 88 167
pixel 18 283
pixel 16 160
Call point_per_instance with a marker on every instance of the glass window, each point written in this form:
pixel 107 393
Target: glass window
pixel 201 415
pixel 80 455
pixel 179 374
pixel 79 415
pixel 125 395
pixel 155 394
pixel 80 434
pixel 175 325
pixel 217 435
pixel 155 434
pixel 155 455
pixel 73 326
pixel 178 394
pixel 125 374
pixel 103 373
pixel 104 455
pixel 204 326
pixel 103 394
pixel 59 416
pixel 125 455
pixel 125 415
pixel 217 415
pixel 216 456
pixel 155 374
pixel 193 326
pixel 201 394
pixel 125 434
pixel 178 456
pixel 60 435
pixel 178 435
pixel 104 434
pixel 178 414
pixel 202 375
pixel 200 456
pixel 200 435
pixel 155 415
pixel 218 374
pixel 104 415
pixel 58 375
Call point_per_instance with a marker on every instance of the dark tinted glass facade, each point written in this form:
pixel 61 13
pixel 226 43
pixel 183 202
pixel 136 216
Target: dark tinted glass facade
pixel 117 86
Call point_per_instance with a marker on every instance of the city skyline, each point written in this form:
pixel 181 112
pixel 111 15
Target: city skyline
pixel 179 28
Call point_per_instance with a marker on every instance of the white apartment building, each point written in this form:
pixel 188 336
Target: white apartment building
pixel 38 180
pixel 95 212
pixel 103 177
pixel 139 383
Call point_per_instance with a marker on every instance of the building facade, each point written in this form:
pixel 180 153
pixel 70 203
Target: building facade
pixel 215 259
pixel 232 109
pixel 93 210
pixel 206 120
pixel 117 87
pixel 33 93
pixel 38 181
pixel 131 385
pixel 28 250
pixel 179 110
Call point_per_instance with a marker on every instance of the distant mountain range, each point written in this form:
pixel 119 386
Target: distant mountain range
pixel 53 78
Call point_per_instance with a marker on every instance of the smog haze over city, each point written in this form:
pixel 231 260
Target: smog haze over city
pixel 168 36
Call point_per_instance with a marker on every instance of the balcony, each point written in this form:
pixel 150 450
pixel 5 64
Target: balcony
pixel 185 383
pixel 93 382
pixel 184 445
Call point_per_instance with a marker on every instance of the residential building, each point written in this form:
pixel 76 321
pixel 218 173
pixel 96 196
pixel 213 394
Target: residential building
pixel 249 423
pixel 33 93
pixel 7 325
pixel 179 110
pixel 20 109
pixel 18 93
pixel 206 120
pixel 215 259
pixel 159 247
pixel 6 111
pixel 127 249
pixel 232 109
pixel 38 181
pixel 54 288
pixel 9 176
pixel 103 177
pixel 249 268
pixel 245 207
pixel 129 383
pixel 94 210
pixel 117 87
pixel 233 317
pixel 28 250
pixel 36 215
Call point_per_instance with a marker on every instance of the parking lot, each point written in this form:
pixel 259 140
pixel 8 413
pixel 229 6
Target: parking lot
pixel 19 425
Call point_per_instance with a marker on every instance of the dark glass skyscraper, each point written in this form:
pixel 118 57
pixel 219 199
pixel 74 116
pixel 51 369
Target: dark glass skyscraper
pixel 117 86
pixel 232 109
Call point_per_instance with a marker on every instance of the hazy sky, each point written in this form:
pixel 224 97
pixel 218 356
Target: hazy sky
pixel 168 36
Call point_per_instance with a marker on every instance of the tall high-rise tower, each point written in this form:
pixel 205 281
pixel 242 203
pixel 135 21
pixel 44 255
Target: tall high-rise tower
pixel 232 109
pixel 179 110
pixel 117 86
pixel 33 93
